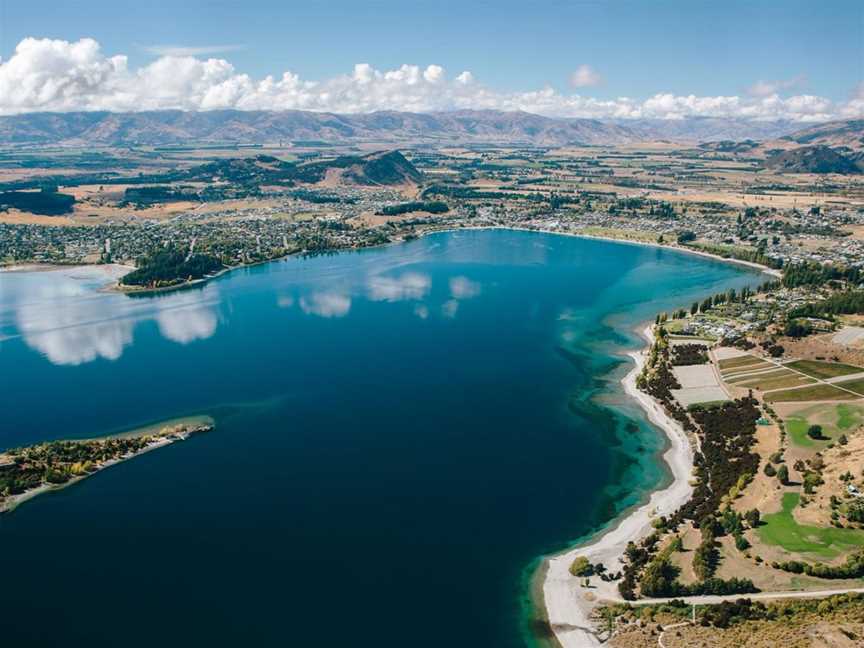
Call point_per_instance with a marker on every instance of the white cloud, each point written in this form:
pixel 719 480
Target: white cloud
pixel 762 89
pixel 855 106
pixel 186 50
pixel 411 285
pixel 585 76
pixel 57 75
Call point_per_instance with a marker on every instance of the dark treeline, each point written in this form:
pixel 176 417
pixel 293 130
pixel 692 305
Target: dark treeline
pixel 742 254
pixel 852 568
pixel 817 274
pixel 850 302
pixel 432 206
pixel 728 434
pixel 689 354
pixel 46 202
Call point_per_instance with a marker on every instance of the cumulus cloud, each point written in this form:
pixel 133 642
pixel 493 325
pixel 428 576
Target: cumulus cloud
pixel 763 89
pixel 855 106
pixel 585 76
pixel 187 50
pixel 58 75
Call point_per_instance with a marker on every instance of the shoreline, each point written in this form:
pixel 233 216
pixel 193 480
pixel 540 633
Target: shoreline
pixel 567 605
pixel 164 434
pixel 36 266
pixel 120 289
pixel 611 239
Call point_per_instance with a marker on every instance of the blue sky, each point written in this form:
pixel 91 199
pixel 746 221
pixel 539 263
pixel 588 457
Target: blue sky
pixel 632 49
pixel 639 48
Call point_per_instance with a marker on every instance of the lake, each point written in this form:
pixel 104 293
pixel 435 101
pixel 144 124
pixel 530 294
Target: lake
pixel 401 433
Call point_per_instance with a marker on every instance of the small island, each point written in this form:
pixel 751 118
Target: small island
pixel 32 470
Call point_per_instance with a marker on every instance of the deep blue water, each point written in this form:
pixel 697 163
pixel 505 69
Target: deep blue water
pixel 398 433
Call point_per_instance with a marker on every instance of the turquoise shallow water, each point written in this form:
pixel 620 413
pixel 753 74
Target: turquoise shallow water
pixel 398 432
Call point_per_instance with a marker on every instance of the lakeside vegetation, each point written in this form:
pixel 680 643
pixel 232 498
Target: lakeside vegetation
pixel 171 266
pixel 53 464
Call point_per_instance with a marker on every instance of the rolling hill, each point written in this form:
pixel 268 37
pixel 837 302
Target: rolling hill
pixel 814 159
pixel 848 133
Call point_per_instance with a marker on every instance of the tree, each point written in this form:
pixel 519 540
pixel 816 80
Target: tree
pixel 783 474
pixel 796 329
pixel 581 567
pixel 769 470
pixel 814 432
pixel 753 518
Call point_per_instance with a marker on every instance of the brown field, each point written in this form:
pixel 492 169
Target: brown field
pixel 739 371
pixel 740 377
pixel 15 217
pixel 741 361
pixel 780 382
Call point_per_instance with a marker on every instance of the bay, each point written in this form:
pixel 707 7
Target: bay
pixel 400 433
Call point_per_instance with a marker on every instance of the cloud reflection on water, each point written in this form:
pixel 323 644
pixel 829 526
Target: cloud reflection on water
pixel 185 319
pixel 411 285
pixel 65 315
pixel 326 304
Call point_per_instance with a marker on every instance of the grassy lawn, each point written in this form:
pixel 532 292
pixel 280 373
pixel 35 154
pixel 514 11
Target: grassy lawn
pixel 819 369
pixel 849 415
pixel 834 419
pixel 816 392
pixel 626 234
pixel 796 428
pixel 782 530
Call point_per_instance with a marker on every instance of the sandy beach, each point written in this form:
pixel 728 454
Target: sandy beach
pixel 568 604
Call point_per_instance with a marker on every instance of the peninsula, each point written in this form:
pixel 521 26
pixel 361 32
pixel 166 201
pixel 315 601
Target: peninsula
pixel 30 471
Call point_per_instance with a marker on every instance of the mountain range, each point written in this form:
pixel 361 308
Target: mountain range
pixel 173 127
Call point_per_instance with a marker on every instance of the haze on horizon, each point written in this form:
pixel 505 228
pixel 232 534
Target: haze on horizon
pixel 799 61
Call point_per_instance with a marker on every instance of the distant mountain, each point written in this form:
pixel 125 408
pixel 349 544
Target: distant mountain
pixel 709 129
pixel 173 127
pixel 814 159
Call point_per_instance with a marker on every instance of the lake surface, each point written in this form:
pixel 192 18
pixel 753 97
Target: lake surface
pixel 401 432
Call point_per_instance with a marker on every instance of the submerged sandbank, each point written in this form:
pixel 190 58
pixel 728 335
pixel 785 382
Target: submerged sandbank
pixel 568 606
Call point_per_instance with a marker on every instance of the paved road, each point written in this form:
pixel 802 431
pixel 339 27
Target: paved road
pixel 707 600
